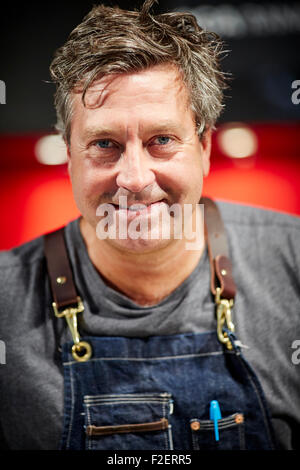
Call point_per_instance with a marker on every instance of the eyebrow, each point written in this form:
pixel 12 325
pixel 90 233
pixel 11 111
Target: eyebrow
pixel 157 128
pixel 93 132
pixel 165 126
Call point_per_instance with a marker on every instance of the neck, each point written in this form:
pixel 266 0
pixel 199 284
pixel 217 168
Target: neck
pixel 146 278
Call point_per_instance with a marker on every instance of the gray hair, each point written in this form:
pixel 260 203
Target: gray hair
pixel 114 41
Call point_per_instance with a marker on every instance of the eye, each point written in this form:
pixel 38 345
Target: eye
pixel 104 143
pixel 162 146
pixel 104 149
pixel 162 140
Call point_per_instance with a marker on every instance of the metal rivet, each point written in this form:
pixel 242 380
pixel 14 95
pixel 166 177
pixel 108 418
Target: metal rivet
pixel 195 426
pixel 61 280
pixel 239 418
pixel 81 351
pixel 223 272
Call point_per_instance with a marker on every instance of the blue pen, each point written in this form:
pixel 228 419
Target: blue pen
pixel 214 415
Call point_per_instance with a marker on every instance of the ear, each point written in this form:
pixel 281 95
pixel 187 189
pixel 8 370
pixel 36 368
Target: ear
pixel 206 150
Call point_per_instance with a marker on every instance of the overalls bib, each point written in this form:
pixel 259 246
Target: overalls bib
pixel 154 393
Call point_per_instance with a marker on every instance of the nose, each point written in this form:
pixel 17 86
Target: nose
pixel 134 170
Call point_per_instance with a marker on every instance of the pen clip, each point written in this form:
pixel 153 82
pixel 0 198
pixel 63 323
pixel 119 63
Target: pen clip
pixel 215 415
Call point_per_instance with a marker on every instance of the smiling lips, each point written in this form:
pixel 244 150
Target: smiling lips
pixel 138 206
pixel 139 209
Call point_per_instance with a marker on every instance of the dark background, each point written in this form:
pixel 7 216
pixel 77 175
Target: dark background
pixel 264 57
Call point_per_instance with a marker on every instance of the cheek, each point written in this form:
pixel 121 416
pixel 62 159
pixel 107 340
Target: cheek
pixel 184 176
pixel 78 185
pixel 87 182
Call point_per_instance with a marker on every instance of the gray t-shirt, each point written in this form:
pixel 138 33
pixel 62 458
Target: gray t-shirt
pixel 264 249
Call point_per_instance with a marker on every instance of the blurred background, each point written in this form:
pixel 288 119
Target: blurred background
pixel 256 149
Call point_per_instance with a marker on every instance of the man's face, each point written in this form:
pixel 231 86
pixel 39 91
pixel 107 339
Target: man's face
pixel 136 138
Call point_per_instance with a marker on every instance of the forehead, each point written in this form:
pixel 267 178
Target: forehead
pixel 157 91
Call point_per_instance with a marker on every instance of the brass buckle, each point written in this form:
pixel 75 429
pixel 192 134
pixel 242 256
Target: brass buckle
pixel 81 350
pixel 224 307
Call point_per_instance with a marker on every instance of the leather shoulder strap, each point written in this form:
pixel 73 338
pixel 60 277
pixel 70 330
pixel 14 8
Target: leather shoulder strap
pixel 216 238
pixel 59 269
pixel 61 277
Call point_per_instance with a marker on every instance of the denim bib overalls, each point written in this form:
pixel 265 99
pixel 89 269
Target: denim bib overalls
pixel 154 393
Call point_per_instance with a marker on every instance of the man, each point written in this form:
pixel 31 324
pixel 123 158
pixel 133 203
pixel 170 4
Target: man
pixel 143 368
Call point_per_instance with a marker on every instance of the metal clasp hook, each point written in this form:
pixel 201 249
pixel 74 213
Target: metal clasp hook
pixel 81 350
pixel 224 307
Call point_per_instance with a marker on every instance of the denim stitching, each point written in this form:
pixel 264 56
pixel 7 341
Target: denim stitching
pixel 224 423
pixel 164 402
pixel 72 408
pixel 123 397
pixel 89 424
pixel 260 402
pixel 150 394
pixel 165 435
pixel 123 402
pixel 184 356
pixel 208 426
pixel 113 396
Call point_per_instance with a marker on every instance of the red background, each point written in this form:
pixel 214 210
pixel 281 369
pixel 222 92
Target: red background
pixel 36 198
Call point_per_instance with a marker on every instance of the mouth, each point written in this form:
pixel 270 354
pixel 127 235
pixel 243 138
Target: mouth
pixel 140 208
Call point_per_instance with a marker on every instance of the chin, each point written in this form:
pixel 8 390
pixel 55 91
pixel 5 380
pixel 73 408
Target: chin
pixel 140 246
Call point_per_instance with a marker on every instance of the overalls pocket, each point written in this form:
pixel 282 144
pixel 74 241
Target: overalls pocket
pixel 231 433
pixel 128 421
